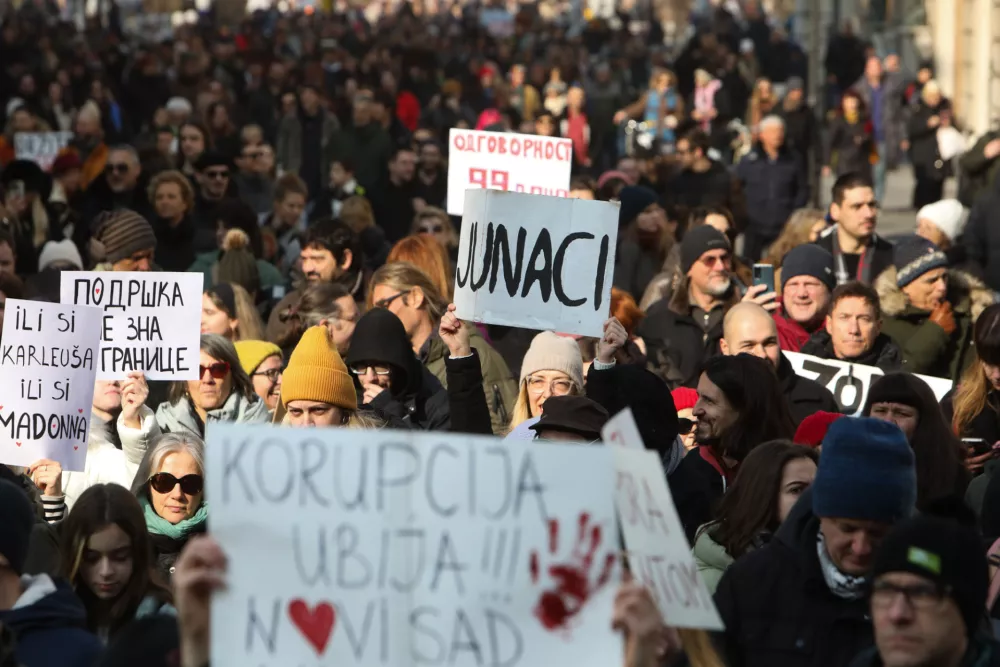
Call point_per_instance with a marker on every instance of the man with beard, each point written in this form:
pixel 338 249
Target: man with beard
pixel 853 330
pixel 119 189
pixel 684 329
pixel 704 182
pixel 331 252
pixel 749 329
pixel 431 181
pixel 213 174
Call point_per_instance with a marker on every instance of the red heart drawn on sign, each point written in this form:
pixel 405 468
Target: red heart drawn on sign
pixel 316 625
pixel 97 290
pixel 1 407
pixel 80 410
pixel 18 444
pixel 76 447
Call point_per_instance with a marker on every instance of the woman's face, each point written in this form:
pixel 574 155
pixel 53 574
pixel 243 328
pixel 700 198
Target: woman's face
pixel 541 385
pixel 907 418
pixel 687 439
pixel 169 201
pixel 107 395
pixel 850 105
pixel 192 142
pixel 267 381
pixel 106 567
pixel 992 374
pixel 764 87
pixel 796 477
pixel 307 414
pixel 214 320
pixel 434 226
pixel 210 392
pixel 175 505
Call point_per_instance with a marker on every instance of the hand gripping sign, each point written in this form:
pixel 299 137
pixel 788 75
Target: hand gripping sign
pixel 355 547
pixel 506 161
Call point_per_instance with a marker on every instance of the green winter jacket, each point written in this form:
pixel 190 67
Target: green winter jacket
pixel 926 348
pixel 711 558
pixel 498 383
pixel 206 263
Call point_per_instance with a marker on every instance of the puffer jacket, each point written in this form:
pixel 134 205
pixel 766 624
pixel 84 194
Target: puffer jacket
pixel 779 611
pixel 106 462
pixel 498 383
pixel 927 349
pixel 884 354
pixel 711 558
pixel 180 417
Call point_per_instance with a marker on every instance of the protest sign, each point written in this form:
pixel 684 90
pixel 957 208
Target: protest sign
pixel 622 431
pixel 366 547
pixel 151 321
pixel 506 161
pixel 41 148
pixel 556 257
pixel 849 383
pixel 48 361
pixel 659 555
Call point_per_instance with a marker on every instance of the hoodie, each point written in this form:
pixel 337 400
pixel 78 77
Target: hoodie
pixel 50 625
pixel 415 399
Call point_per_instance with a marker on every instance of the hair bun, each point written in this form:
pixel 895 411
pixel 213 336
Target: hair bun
pixel 236 239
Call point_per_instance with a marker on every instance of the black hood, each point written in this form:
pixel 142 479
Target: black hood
pixel 379 338
pixel 59 609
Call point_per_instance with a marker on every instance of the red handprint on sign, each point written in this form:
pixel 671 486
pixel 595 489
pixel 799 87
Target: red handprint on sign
pixel 558 605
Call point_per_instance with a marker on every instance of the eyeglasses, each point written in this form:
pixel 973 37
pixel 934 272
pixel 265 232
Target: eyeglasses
pixel 217 175
pixel 386 302
pixel 120 168
pixel 436 229
pixel 559 387
pixel 361 369
pixel 164 482
pixel 920 597
pixel 218 370
pixel 271 375
pixel 712 261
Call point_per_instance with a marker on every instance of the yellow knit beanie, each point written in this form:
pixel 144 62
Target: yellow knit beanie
pixel 252 353
pixel 316 372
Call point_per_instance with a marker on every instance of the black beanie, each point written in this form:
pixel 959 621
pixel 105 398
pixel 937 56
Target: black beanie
pixel 945 552
pixel 698 241
pixel 16 521
pixel 634 199
pixel 808 260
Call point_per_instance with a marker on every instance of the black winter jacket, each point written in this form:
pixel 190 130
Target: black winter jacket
pixel 697 487
pixel 774 189
pixel 778 610
pixel 982 237
pixel 804 396
pixel 470 413
pixel 885 354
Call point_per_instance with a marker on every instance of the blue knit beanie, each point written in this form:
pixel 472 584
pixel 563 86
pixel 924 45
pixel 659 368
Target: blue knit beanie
pixel 866 472
pixel 914 256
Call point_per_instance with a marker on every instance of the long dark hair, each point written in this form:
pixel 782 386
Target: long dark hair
pixel 936 449
pixel 752 389
pixel 750 506
pixel 98 507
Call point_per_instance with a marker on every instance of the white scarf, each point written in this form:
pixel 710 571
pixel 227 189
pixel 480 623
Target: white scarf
pixel 842 585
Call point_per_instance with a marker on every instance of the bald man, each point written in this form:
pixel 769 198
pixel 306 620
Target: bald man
pixel 749 329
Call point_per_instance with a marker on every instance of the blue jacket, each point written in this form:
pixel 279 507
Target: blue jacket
pixel 773 189
pixel 51 626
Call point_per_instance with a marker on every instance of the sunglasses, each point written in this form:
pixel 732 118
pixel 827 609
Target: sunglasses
pixel 385 303
pixel 436 229
pixel 219 370
pixel 117 168
pixel 164 482
pixel 684 425
pixel 217 175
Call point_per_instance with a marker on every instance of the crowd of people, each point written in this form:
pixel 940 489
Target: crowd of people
pixel 299 162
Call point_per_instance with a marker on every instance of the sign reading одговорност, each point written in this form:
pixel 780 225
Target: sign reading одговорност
pixel 506 161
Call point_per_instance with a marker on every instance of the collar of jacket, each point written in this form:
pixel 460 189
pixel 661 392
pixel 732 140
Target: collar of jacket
pixel 966 293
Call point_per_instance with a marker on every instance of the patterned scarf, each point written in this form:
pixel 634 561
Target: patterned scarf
pixel 842 585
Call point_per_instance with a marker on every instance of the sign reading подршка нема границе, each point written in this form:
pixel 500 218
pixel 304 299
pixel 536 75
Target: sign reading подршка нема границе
pixel 152 321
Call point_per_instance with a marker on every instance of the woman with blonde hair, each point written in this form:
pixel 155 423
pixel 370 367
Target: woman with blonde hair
pixel 553 366
pixel 356 212
pixel 228 310
pixel 436 223
pixel 762 103
pixel 426 254
pixel 803 226
pixel 412 296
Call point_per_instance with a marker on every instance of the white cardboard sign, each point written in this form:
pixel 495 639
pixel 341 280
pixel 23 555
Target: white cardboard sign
pixel 536 262
pixel 658 552
pixel 621 431
pixel 365 547
pixel 48 362
pixel 506 161
pixel 41 148
pixel 151 320
pixel 849 383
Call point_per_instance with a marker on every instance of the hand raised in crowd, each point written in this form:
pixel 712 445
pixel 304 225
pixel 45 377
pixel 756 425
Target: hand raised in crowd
pixel 200 570
pixel 647 640
pixel 135 391
pixel 757 294
pixel 614 339
pixel 943 316
pixel 454 333
pixel 47 476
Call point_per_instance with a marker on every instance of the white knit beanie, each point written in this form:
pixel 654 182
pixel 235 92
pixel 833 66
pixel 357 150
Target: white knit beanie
pixel 948 215
pixel 549 352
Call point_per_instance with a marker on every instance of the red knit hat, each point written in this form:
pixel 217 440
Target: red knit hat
pixel 813 428
pixel 684 398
